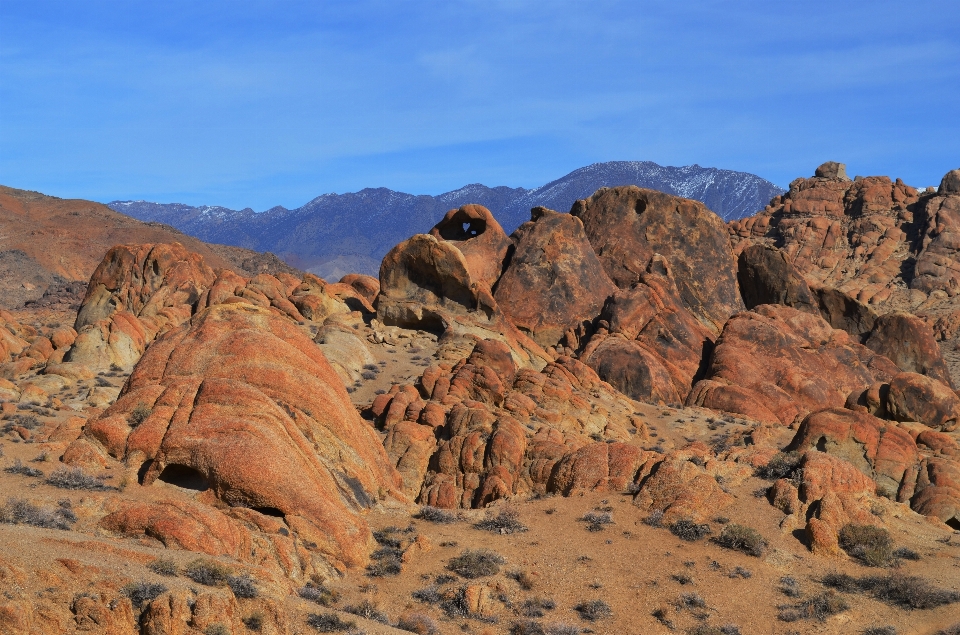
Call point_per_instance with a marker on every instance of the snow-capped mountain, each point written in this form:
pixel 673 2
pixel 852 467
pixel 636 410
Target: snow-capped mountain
pixel 334 234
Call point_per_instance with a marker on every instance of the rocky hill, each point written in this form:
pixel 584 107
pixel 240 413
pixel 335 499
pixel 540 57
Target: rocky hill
pixel 335 234
pixel 628 418
pixel 49 247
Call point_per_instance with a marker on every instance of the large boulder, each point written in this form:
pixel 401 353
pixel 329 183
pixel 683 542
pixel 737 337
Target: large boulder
pixel 136 293
pixel 882 451
pixel 793 362
pixel 938 264
pixel 853 236
pixel 649 347
pixel 914 397
pixel 908 342
pixel 628 225
pixel 554 280
pixel 479 237
pixel 767 276
pixel 244 406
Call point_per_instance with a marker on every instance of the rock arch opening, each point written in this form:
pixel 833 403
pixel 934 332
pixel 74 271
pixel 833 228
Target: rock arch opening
pixel 184 476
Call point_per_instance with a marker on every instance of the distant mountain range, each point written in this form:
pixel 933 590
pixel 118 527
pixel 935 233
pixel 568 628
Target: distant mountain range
pixel 335 234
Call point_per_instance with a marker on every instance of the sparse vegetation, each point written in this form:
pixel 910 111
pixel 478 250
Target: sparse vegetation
pixel 428 595
pixel 254 622
pixel 594 610
pixel 655 519
pixel 689 530
pixel 436 515
pixel 418 623
pixel 524 579
pixel 905 553
pixel 369 611
pixel 703 629
pixel 909 592
pixel 218 628
pixel 27 422
pixel 782 465
pixel 536 607
pixel 869 544
pixel 243 586
pixel 164 566
pixel 17 511
pixel 329 623
pixel 139 414
pixel 24 470
pixel 318 593
pixel 507 521
pixel 950 630
pixel 476 563
pixel 141 593
pixel 880 630
pixel 597 521
pixel 207 572
pixel 789 587
pixel 741 538
pixel 527 627
pixel 386 561
pixel 818 607
pixel 75 478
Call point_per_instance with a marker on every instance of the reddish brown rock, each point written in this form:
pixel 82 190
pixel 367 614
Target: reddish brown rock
pixel 476 233
pixel 823 473
pixel 486 429
pixel 239 382
pixel 885 453
pixel 767 276
pixel 908 342
pixel 606 466
pixel 914 397
pixel 665 344
pixel 554 280
pixel 794 363
pixel 628 225
pixel 366 286
pixel 852 236
pixel 681 489
pixel 938 264
pixel 938 490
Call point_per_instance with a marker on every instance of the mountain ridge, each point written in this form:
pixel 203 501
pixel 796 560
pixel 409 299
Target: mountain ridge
pixel 333 234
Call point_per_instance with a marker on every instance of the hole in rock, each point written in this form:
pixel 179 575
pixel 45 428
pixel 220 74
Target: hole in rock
pixel 269 511
pixel 459 229
pixel 184 476
pixel 641 206
pixel 143 470
pixel 822 444
pixel 954 523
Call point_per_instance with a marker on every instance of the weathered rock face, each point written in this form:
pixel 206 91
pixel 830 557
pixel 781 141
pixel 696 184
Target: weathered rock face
pixel 137 292
pixel 244 405
pixel 479 237
pixel 485 429
pixel 793 362
pixel 655 347
pixel 908 342
pixel 628 225
pixel 832 170
pixel 938 264
pixel 421 279
pixel 853 236
pixel 914 397
pixel 554 280
pixel 766 276
pixel 882 451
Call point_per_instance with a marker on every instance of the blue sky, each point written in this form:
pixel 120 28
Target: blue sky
pixel 244 103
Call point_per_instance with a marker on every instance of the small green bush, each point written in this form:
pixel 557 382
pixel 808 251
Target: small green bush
pixel 207 572
pixel 741 538
pixel 869 544
pixel 139 414
pixel 164 566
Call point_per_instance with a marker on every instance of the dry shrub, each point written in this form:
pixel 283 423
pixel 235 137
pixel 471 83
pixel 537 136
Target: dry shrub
pixel 207 572
pixel 869 544
pixel 741 538
pixel 476 563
